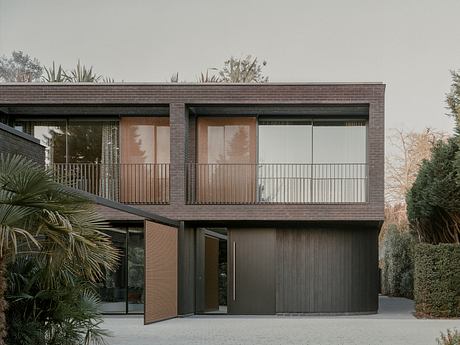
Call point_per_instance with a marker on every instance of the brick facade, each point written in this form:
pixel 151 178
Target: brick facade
pixel 182 95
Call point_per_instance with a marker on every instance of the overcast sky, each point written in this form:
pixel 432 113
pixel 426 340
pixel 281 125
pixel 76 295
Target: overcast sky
pixel 410 45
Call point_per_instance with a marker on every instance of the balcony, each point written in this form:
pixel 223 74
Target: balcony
pixel 125 183
pixel 276 183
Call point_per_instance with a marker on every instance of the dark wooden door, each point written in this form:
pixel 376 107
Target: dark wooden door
pixel 251 272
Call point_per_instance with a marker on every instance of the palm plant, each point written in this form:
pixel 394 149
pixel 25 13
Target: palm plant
pixel 54 75
pixel 208 78
pixel 82 74
pixel 58 226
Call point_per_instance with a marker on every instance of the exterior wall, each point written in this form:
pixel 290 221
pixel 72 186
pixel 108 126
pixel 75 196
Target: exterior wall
pixel 181 96
pixel 16 142
pixel 327 270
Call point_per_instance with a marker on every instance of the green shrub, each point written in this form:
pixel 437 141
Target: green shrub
pixel 67 314
pixel 398 263
pixel 450 338
pixel 437 280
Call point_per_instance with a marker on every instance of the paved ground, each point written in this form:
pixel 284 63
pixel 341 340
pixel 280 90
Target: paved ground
pixel 394 325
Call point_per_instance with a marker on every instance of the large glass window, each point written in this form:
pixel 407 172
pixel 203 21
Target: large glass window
pixel 112 289
pixel 75 141
pixel 284 152
pixel 122 291
pixel 135 270
pixel 339 157
pixel 339 142
pixel 312 160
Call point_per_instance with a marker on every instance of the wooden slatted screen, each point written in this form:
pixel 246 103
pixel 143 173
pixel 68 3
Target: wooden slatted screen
pixel 160 272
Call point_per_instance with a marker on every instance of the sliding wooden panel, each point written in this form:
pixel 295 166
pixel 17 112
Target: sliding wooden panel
pixel 226 160
pixel 144 170
pixel 160 272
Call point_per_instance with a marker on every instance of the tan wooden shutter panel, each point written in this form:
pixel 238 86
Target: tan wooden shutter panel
pixel 160 272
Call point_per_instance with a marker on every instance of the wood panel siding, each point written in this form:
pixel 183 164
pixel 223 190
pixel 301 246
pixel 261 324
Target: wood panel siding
pixel 160 272
pixel 253 272
pixel 327 270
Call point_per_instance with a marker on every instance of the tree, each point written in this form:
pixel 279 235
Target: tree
pixel 407 152
pixel 56 224
pixel 433 202
pixel 236 70
pixel 453 99
pixel 19 67
pixel 243 70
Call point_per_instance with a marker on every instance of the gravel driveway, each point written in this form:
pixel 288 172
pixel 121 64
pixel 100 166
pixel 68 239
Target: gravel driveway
pixel 394 325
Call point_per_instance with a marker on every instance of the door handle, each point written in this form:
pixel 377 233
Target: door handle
pixel 234 270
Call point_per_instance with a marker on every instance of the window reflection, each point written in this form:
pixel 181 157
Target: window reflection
pixel 312 161
pixel 122 291
pixel 227 151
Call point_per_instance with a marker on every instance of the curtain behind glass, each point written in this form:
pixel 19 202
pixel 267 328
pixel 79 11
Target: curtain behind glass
pixel 110 158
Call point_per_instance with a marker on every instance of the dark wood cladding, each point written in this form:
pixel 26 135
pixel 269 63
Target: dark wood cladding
pixel 251 269
pixel 327 270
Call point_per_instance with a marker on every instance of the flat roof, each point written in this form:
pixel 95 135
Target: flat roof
pixel 197 83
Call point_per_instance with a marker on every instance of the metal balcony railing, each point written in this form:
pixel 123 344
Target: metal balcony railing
pixel 126 183
pixel 276 183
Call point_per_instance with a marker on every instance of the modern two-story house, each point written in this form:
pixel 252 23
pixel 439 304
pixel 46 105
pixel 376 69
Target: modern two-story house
pixel 276 189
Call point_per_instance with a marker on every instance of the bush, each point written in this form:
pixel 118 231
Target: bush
pixel 398 263
pixel 437 280
pixel 67 314
pixel 450 338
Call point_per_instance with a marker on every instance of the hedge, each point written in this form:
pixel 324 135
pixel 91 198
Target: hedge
pixel 437 280
pixel 398 263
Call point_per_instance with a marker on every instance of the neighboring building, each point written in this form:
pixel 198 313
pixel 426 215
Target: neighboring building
pixel 278 189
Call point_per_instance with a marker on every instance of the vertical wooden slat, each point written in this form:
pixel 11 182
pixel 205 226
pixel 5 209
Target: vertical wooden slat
pixel 161 272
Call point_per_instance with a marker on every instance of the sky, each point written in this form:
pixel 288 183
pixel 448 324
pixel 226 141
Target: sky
pixel 410 45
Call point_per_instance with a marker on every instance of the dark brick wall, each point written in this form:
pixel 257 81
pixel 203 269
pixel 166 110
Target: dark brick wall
pixel 179 96
pixel 15 142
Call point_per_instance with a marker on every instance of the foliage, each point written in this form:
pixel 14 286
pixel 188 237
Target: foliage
pixel 407 150
pixel 450 338
pixel 54 75
pixel 453 99
pixel 80 74
pixel 174 77
pixel 208 78
pixel 398 268
pixel 66 314
pixel 56 225
pixel 83 74
pixel 437 280
pixel 433 203
pixel 236 70
pixel 243 70
pixel 19 67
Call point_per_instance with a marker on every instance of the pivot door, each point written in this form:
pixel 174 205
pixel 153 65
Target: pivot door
pixel 160 272
pixel 251 271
